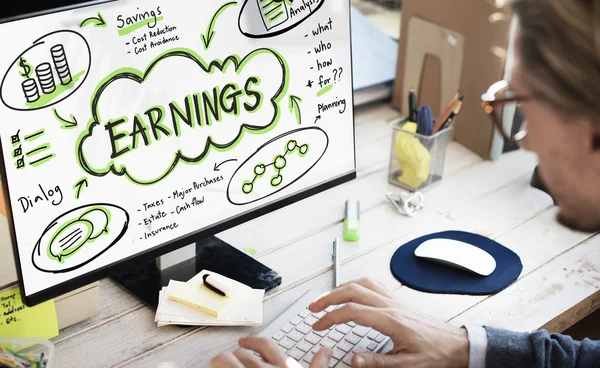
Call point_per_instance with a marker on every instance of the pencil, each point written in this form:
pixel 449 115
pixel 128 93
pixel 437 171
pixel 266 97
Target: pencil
pixel 452 116
pixel 446 113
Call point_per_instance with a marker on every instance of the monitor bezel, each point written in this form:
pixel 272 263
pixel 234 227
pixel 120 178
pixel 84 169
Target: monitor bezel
pixel 174 244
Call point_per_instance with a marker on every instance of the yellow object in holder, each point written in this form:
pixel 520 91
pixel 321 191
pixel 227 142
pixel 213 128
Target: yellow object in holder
pixel 413 158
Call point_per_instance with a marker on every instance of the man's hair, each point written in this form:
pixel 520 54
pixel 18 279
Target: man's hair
pixel 559 48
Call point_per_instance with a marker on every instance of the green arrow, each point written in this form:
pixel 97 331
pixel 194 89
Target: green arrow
pixel 295 107
pixel 96 21
pixel 64 123
pixel 210 33
pixel 79 185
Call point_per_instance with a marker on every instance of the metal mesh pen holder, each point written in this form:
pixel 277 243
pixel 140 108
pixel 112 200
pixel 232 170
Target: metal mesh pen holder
pixel 416 161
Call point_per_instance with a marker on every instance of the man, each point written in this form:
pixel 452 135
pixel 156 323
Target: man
pixel 556 81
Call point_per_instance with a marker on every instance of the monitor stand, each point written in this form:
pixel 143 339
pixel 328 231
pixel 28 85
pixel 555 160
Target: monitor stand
pixel 145 279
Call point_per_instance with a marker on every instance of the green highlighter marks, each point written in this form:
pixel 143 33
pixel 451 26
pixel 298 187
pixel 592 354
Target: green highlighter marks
pixel 352 221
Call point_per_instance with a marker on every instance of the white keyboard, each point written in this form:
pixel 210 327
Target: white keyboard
pixel 294 335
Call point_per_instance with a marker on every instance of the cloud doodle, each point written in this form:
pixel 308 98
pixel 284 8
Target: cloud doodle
pixel 145 123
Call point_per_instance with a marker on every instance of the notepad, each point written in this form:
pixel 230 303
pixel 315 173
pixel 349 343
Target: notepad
pixel 196 295
pixel 170 312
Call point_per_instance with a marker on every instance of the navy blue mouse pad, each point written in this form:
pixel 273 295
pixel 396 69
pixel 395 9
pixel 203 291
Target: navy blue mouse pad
pixel 425 275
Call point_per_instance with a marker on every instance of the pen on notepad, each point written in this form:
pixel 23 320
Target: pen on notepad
pixel 216 286
pixel 336 263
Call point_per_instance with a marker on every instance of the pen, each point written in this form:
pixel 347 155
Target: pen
pixel 215 286
pixel 412 106
pixel 336 263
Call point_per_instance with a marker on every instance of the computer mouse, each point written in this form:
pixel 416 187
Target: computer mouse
pixel 457 254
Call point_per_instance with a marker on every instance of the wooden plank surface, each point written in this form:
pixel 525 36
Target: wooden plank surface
pixel 490 198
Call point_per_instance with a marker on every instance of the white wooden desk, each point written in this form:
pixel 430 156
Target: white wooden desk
pixel 558 286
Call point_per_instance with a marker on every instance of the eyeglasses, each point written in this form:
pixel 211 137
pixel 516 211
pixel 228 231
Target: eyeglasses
pixel 500 99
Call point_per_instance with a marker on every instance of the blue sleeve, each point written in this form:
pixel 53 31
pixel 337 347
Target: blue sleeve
pixel 539 349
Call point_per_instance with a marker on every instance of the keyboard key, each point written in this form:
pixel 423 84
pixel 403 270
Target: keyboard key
pixel 279 335
pixel 345 346
pixel 304 345
pixel 327 342
pixel 353 339
pixel 310 320
pixel 312 338
pixel 342 365
pixel 335 336
pixel 343 329
pixel 282 349
pixel 296 320
pixel 308 357
pixel 305 313
pixel 348 358
pixel 319 315
pixel 373 334
pixel 295 335
pixel 316 349
pixel 303 328
pixel 351 324
pixel 330 309
pixel 361 331
pixel 287 343
pixel 372 346
pixel 296 353
pixel 359 349
pixel 304 364
pixel 287 328
pixel 322 333
pixel 338 354
pixel 332 363
pixel 380 338
pixel 332 327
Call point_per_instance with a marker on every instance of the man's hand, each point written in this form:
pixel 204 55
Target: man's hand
pixel 419 341
pixel 273 357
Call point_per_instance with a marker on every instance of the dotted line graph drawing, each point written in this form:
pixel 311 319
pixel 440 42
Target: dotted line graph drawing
pixel 279 162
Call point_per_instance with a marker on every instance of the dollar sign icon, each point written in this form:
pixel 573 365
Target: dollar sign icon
pixel 26 68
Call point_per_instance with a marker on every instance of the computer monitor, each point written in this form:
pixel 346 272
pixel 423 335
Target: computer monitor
pixel 130 130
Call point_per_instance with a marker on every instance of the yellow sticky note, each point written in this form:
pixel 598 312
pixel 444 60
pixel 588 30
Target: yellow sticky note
pixel 18 320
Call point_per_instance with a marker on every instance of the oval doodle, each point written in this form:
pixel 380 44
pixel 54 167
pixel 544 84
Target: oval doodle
pixel 269 18
pixel 79 236
pixel 277 164
pixel 47 72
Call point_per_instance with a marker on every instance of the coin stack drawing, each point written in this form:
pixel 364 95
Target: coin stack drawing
pixel 30 89
pixel 60 63
pixel 45 76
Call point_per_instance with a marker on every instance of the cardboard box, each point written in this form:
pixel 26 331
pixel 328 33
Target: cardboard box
pixel 482 62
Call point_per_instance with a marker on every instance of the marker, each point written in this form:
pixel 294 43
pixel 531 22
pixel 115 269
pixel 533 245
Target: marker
pixel 352 221
pixel 216 285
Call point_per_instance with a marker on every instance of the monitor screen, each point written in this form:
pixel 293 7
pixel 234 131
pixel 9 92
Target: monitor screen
pixel 132 129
